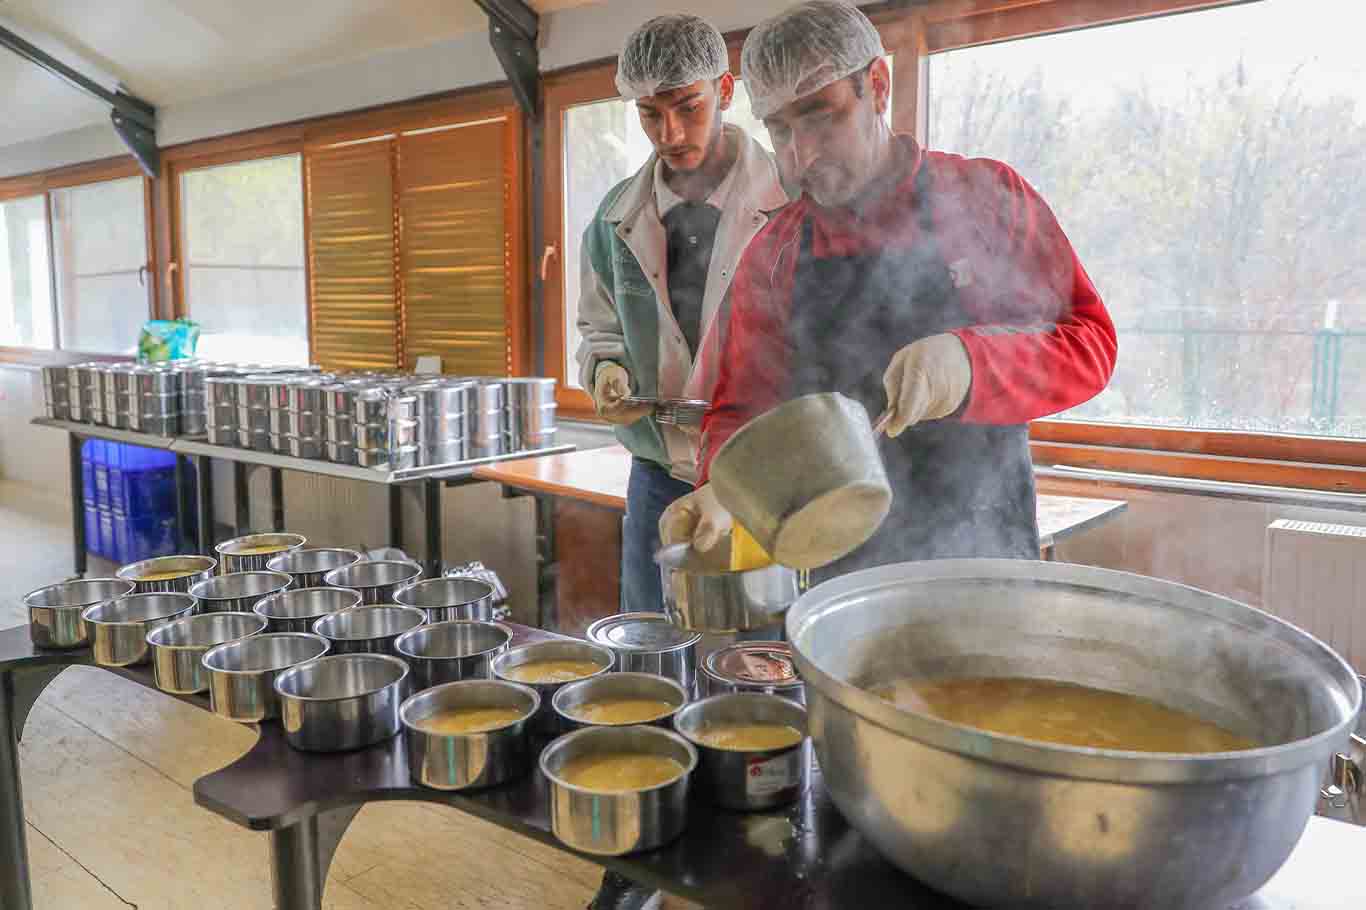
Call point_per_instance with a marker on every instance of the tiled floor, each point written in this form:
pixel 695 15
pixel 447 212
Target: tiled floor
pixel 107 768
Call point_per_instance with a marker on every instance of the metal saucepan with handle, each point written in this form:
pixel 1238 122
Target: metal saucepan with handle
pixel 806 479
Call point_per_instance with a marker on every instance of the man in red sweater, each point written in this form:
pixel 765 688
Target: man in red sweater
pixel 938 288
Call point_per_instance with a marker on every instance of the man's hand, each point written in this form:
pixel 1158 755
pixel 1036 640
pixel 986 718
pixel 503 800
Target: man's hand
pixel 611 387
pixel 926 380
pixel 697 519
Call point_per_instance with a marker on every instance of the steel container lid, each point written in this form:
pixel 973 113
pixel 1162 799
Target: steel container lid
pixel 766 664
pixel 641 633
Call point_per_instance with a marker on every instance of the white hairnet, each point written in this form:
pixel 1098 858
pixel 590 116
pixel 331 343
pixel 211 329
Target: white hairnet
pixel 669 52
pixel 804 49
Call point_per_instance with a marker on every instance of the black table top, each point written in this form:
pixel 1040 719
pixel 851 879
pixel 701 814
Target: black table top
pixel 806 857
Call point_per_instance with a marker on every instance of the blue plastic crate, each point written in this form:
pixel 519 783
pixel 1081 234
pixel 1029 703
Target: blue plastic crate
pixel 141 538
pixel 94 543
pixel 143 494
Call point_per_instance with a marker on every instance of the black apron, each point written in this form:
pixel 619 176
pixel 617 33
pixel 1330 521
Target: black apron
pixel 959 489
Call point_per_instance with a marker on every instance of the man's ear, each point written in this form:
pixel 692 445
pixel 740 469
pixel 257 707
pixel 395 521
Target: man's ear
pixel 725 88
pixel 880 77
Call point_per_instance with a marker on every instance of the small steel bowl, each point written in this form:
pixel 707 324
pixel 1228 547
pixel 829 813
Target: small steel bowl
pixel 459 761
pixel 237 592
pixel 446 652
pixel 297 609
pixel 242 673
pixel 55 612
pixel 309 566
pixel 195 569
pixel 615 823
pixel 376 580
pixel 368 630
pixel 121 626
pixel 450 598
pixel 571 697
pixel 546 721
pixel 178 647
pixel 748 779
pixel 233 559
pixel 342 701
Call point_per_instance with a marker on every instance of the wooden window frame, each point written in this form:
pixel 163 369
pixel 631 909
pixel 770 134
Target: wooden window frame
pixel 42 184
pixel 1320 463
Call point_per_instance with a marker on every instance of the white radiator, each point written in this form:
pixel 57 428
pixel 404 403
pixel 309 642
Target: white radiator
pixel 1315 577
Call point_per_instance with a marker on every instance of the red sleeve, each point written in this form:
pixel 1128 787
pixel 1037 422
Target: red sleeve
pixel 1042 341
pixel 754 369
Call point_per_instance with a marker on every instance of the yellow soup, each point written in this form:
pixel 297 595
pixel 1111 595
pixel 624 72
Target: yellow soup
pixel 749 737
pixel 619 772
pixel 165 576
pixel 260 550
pixel 1063 713
pixel 621 710
pixel 552 671
pixel 451 721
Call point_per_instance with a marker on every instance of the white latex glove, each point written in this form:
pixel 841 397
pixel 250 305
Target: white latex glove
pixel 926 380
pixel 697 519
pixel 611 385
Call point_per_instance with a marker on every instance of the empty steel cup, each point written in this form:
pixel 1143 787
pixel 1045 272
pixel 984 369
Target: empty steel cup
pixel 342 701
pixel 449 598
pixel 376 580
pixel 121 626
pixel 54 612
pixel 237 592
pixel 450 651
pixel 367 630
pixel 309 566
pixel 242 673
pixel 178 647
pixel 297 609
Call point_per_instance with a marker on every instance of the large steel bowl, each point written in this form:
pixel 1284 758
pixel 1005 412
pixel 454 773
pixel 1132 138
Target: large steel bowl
pixel 1007 822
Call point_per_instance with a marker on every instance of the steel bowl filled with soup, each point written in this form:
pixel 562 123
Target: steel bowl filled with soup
pixel 468 734
pixel 1034 734
pixel 252 552
pixel 174 574
pixel 752 749
pixel 548 665
pixel 619 700
pixel 617 790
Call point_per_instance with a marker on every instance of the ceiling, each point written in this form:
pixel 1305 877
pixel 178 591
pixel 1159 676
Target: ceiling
pixel 174 51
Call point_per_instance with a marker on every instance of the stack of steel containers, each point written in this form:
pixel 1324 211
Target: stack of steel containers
pixel 443 411
pixel 339 441
pixel 78 391
pixel 57 393
pixel 96 408
pixel 530 402
pixel 194 410
pixel 253 410
pixel 152 401
pixel 296 416
pixel 487 419
pixel 220 397
pixel 384 426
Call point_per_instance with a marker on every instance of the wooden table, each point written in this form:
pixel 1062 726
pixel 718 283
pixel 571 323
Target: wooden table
pixel 600 477
pixel 805 857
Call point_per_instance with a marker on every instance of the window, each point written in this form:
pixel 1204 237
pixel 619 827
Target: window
pixel 100 239
pixel 1207 168
pixel 242 226
pixel 26 318
pixel 603 145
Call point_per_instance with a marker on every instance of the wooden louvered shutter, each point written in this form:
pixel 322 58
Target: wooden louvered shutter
pixel 351 231
pixel 456 242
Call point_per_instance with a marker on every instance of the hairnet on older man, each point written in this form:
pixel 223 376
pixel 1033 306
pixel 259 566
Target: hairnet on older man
pixel 804 49
pixel 669 52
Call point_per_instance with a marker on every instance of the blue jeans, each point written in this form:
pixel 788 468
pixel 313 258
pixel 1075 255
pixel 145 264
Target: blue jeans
pixel 651 490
